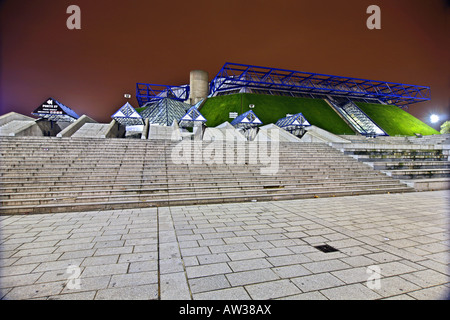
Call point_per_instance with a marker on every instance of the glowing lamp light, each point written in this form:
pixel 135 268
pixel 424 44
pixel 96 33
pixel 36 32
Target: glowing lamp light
pixel 434 118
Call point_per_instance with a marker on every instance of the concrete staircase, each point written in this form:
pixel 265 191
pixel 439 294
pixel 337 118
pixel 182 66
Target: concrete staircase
pixel 423 167
pixel 43 175
pixel 406 164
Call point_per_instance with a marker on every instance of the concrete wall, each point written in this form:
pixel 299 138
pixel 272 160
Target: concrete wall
pixel 163 133
pixel 70 130
pixel 29 129
pixel 114 130
pixel 316 134
pixel 4 119
pixel 145 131
pixel 272 132
pixel 48 128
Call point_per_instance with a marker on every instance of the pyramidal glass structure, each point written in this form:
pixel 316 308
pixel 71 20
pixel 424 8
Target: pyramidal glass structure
pixel 246 120
pixel 128 116
pixel 53 110
pixel 165 111
pixel 192 118
pixel 293 122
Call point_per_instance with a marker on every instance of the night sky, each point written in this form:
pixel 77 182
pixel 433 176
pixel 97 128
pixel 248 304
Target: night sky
pixel 124 42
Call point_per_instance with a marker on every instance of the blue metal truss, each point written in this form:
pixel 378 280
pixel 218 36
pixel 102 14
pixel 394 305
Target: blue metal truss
pixel 153 92
pixel 235 76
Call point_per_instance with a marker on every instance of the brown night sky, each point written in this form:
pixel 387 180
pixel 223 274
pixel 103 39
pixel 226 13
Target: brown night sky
pixel 124 42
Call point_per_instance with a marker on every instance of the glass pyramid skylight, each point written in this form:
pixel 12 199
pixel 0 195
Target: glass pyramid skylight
pixel 246 120
pixel 165 111
pixel 128 116
pixel 293 122
pixel 54 110
pixel 191 118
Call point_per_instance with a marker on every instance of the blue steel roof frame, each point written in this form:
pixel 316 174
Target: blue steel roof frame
pixel 146 92
pixel 234 76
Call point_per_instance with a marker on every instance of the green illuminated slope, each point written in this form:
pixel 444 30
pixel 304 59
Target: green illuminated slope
pixel 395 121
pixel 271 108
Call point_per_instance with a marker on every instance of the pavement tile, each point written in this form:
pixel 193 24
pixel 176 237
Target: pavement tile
pixel 316 282
pixel 133 279
pixel 145 292
pixel 432 293
pixel 426 278
pixel 101 270
pixel 207 270
pixel 237 293
pixel 288 260
pixel 174 286
pixel 351 292
pixel 19 280
pixel 291 271
pixel 396 285
pixel 272 290
pixel 326 266
pixel 208 283
pixel 142 266
pixel 249 277
pixel 250 264
pixel 35 291
pixel 247 254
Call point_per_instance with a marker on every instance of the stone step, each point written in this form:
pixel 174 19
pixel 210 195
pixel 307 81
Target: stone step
pixel 418 173
pixel 326 174
pixel 119 183
pixel 175 172
pixel 157 163
pixel 102 191
pixel 111 185
pixel 410 165
pixel 122 204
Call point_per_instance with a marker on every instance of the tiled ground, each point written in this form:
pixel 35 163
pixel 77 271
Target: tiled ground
pixel 238 251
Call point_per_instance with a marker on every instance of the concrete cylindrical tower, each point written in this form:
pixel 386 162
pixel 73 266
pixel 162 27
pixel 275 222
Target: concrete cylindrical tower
pixel 199 83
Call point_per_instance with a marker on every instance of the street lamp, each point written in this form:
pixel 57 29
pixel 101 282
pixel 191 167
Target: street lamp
pixel 434 118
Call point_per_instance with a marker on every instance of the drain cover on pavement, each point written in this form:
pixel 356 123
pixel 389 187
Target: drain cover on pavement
pixel 326 248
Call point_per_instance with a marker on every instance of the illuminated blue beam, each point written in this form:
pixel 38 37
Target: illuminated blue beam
pixel 234 76
pixel 152 92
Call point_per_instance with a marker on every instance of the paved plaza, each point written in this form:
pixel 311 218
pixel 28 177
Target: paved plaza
pixel 392 246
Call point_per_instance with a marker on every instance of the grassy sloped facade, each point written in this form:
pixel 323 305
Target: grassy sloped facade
pixel 271 108
pixel 395 121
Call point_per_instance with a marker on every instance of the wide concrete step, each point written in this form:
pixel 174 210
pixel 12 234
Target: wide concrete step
pixel 138 178
pixel 67 172
pixel 187 200
pixel 50 186
pixel 103 190
pixel 88 163
pixel 418 173
pixel 410 165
